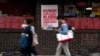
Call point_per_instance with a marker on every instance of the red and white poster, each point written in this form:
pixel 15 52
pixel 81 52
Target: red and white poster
pixel 48 16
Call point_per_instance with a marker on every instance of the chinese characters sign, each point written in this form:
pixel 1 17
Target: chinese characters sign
pixel 48 16
pixel 12 22
pixel 84 23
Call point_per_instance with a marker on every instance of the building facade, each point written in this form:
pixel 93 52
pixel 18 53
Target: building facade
pixel 83 39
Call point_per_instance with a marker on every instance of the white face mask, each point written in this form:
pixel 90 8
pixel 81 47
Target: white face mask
pixel 24 25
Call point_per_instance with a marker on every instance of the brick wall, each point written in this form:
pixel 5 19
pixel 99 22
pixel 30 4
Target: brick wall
pixel 84 39
pixel 9 39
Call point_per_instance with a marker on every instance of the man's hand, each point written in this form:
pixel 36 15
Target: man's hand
pixel 57 29
pixel 27 35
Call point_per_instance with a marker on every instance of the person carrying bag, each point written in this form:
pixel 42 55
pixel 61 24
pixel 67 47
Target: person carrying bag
pixel 63 37
pixel 35 41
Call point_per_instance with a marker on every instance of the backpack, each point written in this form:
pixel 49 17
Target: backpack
pixel 23 41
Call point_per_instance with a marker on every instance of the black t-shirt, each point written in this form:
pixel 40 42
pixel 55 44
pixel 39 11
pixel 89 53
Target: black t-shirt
pixel 69 27
pixel 30 35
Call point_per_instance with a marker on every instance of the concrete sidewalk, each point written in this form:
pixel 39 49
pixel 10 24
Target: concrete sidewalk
pixel 39 55
pixel 18 54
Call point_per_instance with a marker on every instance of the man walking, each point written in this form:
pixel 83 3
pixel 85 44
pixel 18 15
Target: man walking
pixel 63 29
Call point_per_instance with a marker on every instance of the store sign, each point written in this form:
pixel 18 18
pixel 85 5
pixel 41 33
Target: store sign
pixel 84 23
pixel 48 16
pixel 12 22
pixel 82 4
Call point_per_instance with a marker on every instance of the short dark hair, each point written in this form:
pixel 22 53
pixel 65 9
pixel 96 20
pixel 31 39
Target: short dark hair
pixel 29 20
pixel 60 17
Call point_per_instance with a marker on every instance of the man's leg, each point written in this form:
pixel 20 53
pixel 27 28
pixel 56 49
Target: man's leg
pixel 33 50
pixel 29 51
pixel 66 49
pixel 23 52
pixel 58 50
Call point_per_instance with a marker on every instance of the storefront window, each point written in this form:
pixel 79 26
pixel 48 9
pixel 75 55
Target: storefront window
pixel 80 8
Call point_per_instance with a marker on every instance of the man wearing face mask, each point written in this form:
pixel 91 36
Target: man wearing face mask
pixel 63 29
